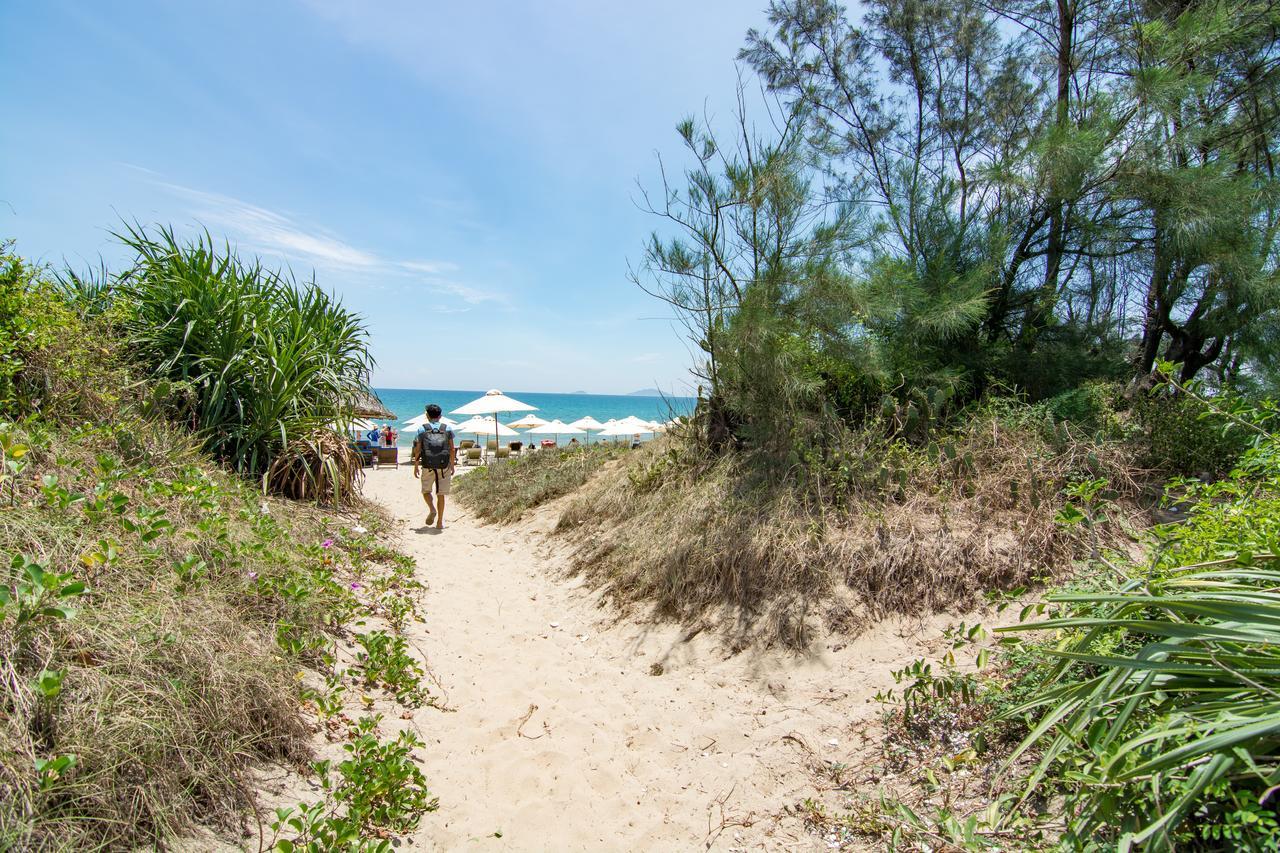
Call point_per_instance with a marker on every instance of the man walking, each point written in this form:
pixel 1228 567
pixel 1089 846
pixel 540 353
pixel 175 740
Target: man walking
pixel 434 454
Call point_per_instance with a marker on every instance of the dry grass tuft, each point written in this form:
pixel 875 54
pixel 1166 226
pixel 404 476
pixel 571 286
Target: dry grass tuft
pixel 174 682
pixel 166 706
pixel 318 467
pixel 905 533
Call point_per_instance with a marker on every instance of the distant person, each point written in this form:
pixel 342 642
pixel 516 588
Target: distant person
pixel 434 458
pixel 573 442
pixel 635 441
pixel 386 435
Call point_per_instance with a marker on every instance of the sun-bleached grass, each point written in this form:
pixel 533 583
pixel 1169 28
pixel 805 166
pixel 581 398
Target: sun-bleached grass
pixel 507 489
pixel 913 531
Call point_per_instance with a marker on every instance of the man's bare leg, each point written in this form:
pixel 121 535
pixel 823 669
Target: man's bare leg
pixel 439 514
pixel 431 510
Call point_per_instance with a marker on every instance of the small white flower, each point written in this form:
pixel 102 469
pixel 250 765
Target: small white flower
pixel 359 530
pixel 266 510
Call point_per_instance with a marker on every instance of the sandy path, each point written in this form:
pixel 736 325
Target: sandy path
pixel 612 757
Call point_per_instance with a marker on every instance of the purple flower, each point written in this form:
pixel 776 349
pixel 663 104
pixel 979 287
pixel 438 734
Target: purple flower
pixel 253 576
pixel 355 584
pixel 328 543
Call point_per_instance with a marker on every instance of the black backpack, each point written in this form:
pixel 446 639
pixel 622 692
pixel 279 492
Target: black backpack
pixel 433 447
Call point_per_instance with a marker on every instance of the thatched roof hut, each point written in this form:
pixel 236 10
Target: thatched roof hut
pixel 367 405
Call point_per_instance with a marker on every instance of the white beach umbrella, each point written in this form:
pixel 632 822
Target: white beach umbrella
pixel 528 422
pixel 620 428
pixel 587 423
pixel 494 402
pixel 422 419
pixel 635 424
pixel 556 428
pixel 485 426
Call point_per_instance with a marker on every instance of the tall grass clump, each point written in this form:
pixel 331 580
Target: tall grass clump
pixel 505 491
pixel 258 365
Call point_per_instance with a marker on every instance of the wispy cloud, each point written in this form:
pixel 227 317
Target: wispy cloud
pixel 468 294
pixel 270 232
pixel 646 358
pixel 135 167
pixel 429 267
pixel 266 230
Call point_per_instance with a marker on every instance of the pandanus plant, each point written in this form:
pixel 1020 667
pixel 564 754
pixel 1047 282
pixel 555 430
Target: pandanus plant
pixel 268 363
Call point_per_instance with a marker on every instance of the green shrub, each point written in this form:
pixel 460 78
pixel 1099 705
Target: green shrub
pixel 377 789
pixel 1091 407
pixel 385 662
pixel 50 361
pixel 1157 711
pixel 1181 437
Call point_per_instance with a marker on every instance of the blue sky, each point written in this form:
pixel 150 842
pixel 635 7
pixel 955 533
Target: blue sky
pixel 463 174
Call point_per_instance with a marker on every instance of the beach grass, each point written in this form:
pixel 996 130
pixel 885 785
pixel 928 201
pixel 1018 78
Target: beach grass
pixel 714 538
pixel 142 654
pixel 505 491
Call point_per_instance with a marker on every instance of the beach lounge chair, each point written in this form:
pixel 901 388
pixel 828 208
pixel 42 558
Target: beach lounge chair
pixel 365 449
pixel 504 452
pixel 472 456
pixel 491 444
pixel 466 444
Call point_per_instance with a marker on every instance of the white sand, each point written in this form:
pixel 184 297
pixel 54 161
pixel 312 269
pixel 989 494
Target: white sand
pixel 561 739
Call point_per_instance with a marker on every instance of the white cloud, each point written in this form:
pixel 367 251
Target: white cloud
pixel 466 293
pixel 272 233
pixel 429 267
pixel 268 231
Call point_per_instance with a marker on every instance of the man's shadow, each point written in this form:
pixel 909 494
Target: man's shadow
pixel 431 530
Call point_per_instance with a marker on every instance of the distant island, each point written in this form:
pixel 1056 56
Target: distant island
pixel 646 392
pixel 577 392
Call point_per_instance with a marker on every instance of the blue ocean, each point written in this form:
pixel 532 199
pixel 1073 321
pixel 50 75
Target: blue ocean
pixel 408 403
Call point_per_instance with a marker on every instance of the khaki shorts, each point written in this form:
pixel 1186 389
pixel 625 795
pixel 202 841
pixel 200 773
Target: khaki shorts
pixel 439 479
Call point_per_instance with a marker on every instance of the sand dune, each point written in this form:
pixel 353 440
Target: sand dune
pixel 561 737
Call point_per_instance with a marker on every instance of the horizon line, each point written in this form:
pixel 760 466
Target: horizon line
pixel 658 396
